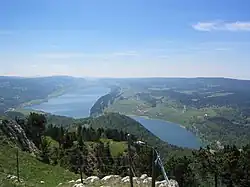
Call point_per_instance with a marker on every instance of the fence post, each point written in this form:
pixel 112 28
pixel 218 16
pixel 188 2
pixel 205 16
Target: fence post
pixel 153 167
pixel 130 161
pixel 17 165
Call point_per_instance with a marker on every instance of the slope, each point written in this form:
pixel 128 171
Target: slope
pixel 32 171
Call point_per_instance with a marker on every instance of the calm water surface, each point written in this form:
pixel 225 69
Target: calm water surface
pixel 77 104
pixel 170 132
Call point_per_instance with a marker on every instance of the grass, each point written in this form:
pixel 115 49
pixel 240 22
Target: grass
pixel 53 143
pixel 32 171
pixel 168 110
pixel 116 148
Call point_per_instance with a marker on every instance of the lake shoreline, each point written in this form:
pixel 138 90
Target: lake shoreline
pixel 54 94
pixel 177 124
pixel 147 117
pixel 169 132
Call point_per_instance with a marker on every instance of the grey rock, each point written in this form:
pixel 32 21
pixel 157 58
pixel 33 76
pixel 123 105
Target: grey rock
pixel 92 179
pixel 17 134
pixel 143 176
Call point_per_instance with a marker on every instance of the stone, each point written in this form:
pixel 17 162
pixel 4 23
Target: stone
pixel 42 182
pixel 92 179
pixel 173 183
pixel 13 177
pixel 79 185
pixel 136 180
pixel 164 183
pixel 111 177
pixel 143 176
pixel 79 180
pixel 125 179
pixel 72 181
pixel 147 180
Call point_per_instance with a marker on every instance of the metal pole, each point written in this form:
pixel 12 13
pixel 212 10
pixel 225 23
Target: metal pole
pixel 17 166
pixel 153 167
pixel 162 167
pixel 130 161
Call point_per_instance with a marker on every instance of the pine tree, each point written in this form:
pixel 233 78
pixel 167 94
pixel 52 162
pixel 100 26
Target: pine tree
pixel 44 147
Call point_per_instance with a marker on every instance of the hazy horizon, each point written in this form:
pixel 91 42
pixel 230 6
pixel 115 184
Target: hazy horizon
pixel 125 39
pixel 87 77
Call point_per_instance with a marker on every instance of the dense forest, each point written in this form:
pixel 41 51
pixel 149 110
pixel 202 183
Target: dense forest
pixel 90 150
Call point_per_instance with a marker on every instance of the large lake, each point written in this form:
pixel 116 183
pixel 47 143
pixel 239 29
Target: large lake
pixel 77 104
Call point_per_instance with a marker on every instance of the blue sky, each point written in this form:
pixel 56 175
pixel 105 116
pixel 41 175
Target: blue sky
pixel 125 38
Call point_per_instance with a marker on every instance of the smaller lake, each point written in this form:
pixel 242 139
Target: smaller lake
pixel 76 103
pixel 170 132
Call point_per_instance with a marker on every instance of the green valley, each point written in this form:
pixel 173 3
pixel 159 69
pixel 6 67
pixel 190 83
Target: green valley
pixel 216 110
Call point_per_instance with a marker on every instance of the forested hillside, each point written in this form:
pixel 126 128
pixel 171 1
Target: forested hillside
pixel 15 91
pixel 96 148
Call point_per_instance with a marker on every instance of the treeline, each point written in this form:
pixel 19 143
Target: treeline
pixel 221 129
pixel 228 167
pixel 85 149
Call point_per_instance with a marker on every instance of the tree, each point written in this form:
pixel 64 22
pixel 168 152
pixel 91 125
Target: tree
pixel 45 150
pixel 181 171
pixel 36 125
pixel 244 169
pixel 209 162
pixel 107 159
pixel 230 166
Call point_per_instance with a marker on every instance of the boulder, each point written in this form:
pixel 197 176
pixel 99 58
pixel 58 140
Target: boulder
pixel 79 180
pixel 92 179
pixel 136 180
pixel 164 183
pixel 42 182
pixel 173 183
pixel 125 179
pixel 79 185
pixel 72 181
pixel 13 177
pixel 143 176
pixel 147 180
pixel 111 178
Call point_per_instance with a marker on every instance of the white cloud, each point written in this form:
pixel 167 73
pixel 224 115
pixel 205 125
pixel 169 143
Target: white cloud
pixel 222 26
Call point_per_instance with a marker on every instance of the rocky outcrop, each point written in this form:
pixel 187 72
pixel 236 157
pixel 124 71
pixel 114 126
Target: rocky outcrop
pixel 115 180
pixel 16 134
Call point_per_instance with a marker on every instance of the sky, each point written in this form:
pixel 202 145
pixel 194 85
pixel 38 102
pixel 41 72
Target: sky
pixel 125 38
